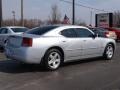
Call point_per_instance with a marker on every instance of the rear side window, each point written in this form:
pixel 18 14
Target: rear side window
pixel 41 30
pixel 17 30
pixel 81 32
pixel 69 33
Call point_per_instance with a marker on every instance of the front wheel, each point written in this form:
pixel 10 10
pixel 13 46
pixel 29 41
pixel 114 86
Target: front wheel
pixel 53 59
pixel 109 52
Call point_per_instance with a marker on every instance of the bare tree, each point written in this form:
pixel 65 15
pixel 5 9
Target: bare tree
pixel 55 15
pixel 80 22
pixel 30 23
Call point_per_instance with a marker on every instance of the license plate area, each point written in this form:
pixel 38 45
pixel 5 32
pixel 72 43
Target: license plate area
pixel 15 42
pixel 10 52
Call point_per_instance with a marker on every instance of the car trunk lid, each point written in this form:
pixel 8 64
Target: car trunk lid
pixel 14 41
pixel 24 40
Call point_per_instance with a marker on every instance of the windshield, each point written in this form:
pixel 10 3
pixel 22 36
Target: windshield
pixel 102 29
pixel 117 28
pixel 99 29
pixel 18 30
pixel 41 30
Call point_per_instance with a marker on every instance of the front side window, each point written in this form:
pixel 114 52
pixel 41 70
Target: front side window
pixel 81 32
pixel 69 33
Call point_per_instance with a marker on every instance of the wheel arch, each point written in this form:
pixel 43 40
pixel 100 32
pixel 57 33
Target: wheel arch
pixel 111 44
pixel 58 48
pixel 107 45
pixel 104 54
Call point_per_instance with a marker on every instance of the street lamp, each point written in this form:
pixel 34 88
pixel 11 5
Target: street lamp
pixel 13 12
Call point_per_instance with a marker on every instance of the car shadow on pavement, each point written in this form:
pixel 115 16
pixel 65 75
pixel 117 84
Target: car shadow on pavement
pixel 84 61
pixel 14 67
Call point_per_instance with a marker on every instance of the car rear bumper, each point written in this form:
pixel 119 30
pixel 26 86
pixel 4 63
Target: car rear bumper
pixel 27 55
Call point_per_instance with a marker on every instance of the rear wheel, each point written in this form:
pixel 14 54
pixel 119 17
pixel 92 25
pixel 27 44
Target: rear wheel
pixel 109 52
pixel 53 59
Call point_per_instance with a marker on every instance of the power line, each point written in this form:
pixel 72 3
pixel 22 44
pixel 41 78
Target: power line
pixel 78 4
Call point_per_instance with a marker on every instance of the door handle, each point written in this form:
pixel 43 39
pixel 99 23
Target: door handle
pixel 63 41
pixel 84 40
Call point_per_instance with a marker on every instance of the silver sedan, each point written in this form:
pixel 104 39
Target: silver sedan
pixel 5 32
pixel 53 45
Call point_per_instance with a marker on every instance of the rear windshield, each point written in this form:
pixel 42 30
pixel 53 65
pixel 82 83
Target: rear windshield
pixel 17 30
pixel 41 30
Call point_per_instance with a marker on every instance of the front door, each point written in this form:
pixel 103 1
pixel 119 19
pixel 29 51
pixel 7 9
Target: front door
pixel 90 44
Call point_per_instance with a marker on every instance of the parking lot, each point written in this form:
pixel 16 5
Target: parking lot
pixel 92 74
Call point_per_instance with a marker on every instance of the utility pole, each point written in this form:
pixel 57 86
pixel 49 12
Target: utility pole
pixel 13 12
pixel 73 12
pixel 22 19
pixel 0 13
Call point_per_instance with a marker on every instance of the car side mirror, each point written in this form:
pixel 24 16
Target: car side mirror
pixel 95 35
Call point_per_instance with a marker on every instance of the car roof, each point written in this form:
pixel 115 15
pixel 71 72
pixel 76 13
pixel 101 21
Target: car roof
pixel 13 27
pixel 64 25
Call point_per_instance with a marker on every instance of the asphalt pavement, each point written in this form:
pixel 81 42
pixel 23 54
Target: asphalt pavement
pixel 91 74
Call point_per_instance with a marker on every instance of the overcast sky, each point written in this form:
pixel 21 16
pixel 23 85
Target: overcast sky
pixel 40 9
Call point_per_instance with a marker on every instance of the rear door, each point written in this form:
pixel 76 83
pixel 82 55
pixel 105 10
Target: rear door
pixel 72 44
pixel 91 46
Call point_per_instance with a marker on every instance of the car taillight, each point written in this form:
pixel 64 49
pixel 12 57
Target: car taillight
pixel 106 34
pixel 27 42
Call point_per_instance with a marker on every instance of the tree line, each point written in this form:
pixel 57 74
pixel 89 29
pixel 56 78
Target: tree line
pixel 54 18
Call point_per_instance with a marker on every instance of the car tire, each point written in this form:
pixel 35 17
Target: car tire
pixel 2 50
pixel 53 59
pixel 109 52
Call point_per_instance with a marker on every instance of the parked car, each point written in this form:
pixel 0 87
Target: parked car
pixel 53 45
pixel 101 32
pixel 5 32
pixel 116 30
